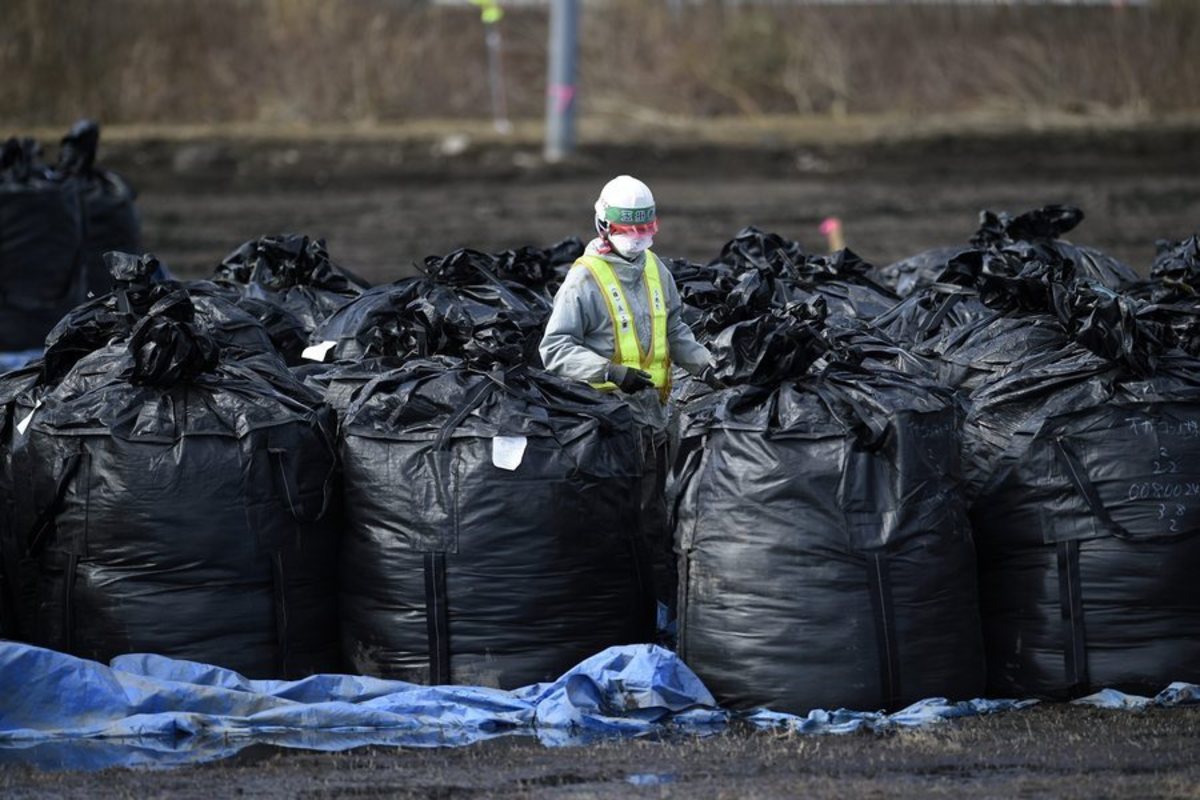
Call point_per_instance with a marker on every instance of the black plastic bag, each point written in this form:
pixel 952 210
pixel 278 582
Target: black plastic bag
pixel 701 288
pixel 1044 226
pixel 291 285
pixel 771 348
pixel 18 396
pixel 339 382
pixel 137 285
pixel 824 555
pixel 1012 263
pixel 931 311
pixel 167 347
pixel 1177 266
pixel 917 272
pixel 1114 326
pixel 460 309
pixel 178 505
pixel 539 268
pixel 1082 465
pixel 991 308
pixel 42 262
pixel 491 526
pixel 1173 291
pixel 842 278
pixel 109 201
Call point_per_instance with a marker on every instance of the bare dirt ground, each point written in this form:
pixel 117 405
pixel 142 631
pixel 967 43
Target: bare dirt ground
pixel 1048 751
pixel 384 202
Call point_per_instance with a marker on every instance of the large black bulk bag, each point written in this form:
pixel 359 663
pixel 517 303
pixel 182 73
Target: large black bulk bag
pixel 460 309
pixel 1085 477
pixel 491 526
pixel 995 307
pixel 541 269
pixel 1042 227
pixel 968 356
pixel 930 311
pixel 843 279
pixel 41 246
pixel 339 382
pixel 917 272
pixel 1173 290
pixel 136 284
pixel 824 554
pixel 180 504
pixel 291 284
pixel 111 217
pixel 1012 263
pixel 16 388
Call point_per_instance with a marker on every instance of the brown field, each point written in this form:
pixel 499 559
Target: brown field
pixel 385 200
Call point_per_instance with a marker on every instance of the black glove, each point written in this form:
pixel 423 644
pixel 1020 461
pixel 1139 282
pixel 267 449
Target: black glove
pixel 709 376
pixel 627 379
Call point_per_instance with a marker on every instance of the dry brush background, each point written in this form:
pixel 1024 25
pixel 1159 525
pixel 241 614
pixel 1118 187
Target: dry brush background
pixel 380 61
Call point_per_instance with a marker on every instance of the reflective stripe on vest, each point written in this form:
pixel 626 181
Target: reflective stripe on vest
pixel 627 348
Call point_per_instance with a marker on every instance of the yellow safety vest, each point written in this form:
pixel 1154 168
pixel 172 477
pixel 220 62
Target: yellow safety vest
pixel 627 348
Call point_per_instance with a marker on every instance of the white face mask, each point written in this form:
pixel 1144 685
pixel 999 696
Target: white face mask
pixel 631 245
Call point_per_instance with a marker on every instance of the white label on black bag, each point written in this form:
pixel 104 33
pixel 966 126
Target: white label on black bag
pixel 317 352
pixel 24 424
pixel 507 451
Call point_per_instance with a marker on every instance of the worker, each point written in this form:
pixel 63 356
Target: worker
pixel 617 324
pixel 616 321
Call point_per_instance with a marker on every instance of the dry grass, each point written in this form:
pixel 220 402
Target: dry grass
pixel 299 62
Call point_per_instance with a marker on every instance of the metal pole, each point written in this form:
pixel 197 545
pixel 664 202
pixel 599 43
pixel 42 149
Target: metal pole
pixel 491 14
pixel 560 79
pixel 496 79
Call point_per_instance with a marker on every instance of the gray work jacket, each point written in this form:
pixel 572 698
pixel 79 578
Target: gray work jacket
pixel 578 342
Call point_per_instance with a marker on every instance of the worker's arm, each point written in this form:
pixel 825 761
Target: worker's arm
pixel 685 350
pixel 574 315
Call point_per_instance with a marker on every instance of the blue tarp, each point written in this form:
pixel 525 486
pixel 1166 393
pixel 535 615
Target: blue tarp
pixel 10 360
pixel 1177 694
pixel 922 712
pixel 63 712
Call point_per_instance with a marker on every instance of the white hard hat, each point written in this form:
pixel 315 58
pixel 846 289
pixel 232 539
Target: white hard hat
pixel 625 202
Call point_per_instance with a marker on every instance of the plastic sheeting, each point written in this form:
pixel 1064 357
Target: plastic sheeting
pixel 17 359
pixel 1175 695
pixel 147 710
pixel 921 713
pixel 168 711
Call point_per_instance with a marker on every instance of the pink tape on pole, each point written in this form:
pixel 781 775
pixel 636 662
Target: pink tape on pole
pixel 563 94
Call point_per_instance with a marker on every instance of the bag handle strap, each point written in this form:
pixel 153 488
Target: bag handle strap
pixel 44 520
